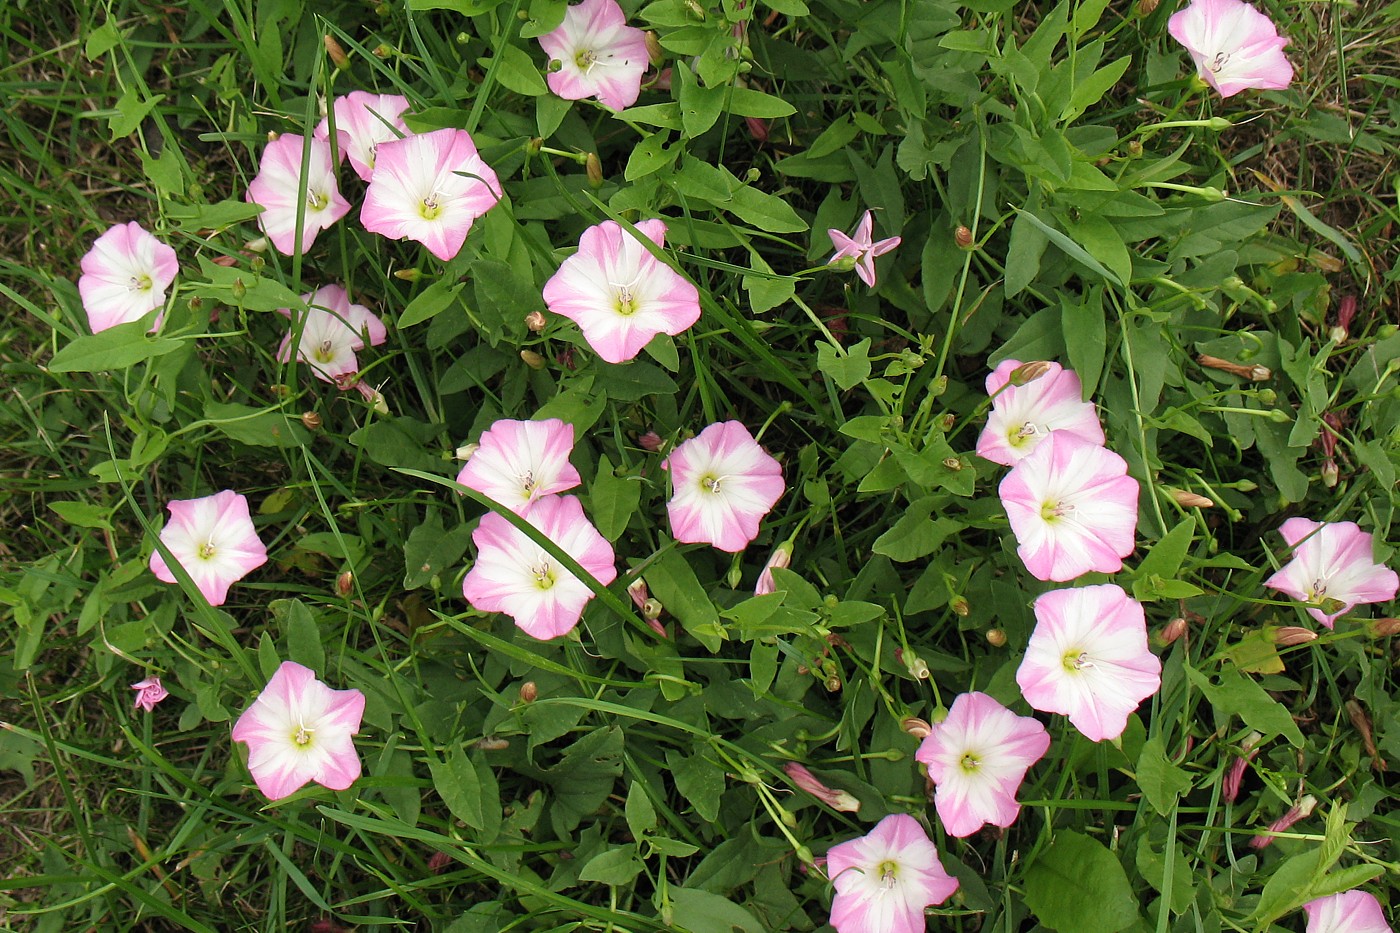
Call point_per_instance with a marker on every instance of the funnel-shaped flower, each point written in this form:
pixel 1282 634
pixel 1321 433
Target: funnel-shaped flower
pixel 1088 659
pixel 978 757
pixel 299 730
pixel 213 538
pixel 1072 507
pixel 861 247
pixel 886 878
pixel 281 191
pixel 1234 46
pixel 1022 415
pixel 1348 912
pixel 334 329
pixel 431 188
pixel 619 294
pixel 599 55
pixel 519 462
pixel 514 575
pixel 149 692
pixel 724 484
pixel 363 121
pixel 125 276
pixel 1332 564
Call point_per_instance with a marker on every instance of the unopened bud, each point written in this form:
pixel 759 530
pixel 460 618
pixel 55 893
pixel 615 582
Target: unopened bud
pixel 238 289
pixel 1134 148
pixel 832 797
pixel 1190 500
pixel 651 611
pixel 1329 474
pixel 528 692
pixel 383 50
pixel 833 684
pixel 952 463
pixel 963 237
pixel 780 559
pixel 1145 7
pixel 637 590
pixel 273 136
pixel 337 54
pixel 916 727
pixel 960 606
pixel 1279 416
pixel 1301 810
pixel 1029 372
pixel 996 637
pixel 946 422
pixel 1172 631
pixel 1266 396
pixel 1290 635
pixel 593 168
pixel 535 321
pixel 1383 628
pixel 311 420
pixel 465 452
pixel 1234 774
pixel 408 275
pixel 655 53
pixel 1254 373
pixel 532 359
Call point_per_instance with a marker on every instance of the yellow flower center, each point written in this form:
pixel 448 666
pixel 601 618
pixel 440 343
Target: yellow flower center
pixel 1076 660
pixel 207 550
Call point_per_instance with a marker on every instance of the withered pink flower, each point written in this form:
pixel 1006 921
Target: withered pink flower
pixel 861 247
pixel 1299 811
pixel 806 780
pixel 149 692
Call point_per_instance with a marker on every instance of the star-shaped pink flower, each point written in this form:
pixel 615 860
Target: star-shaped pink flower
pixel 125 276
pixel 213 538
pixel 598 55
pixel 1234 46
pixel 1332 565
pixel 860 247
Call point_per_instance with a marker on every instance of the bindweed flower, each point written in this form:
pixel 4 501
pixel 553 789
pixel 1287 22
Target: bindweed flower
pixel 977 758
pixel 1332 565
pixel 334 329
pixel 213 538
pixel 1299 811
pixel 724 483
pixel 598 55
pixel 1088 659
pixel 1234 774
pixel 833 798
pixel 1234 46
pixel 149 692
pixel 514 575
pixel 860 247
pixel 125 276
pixel 363 121
pixel 886 878
pixel 300 730
pixel 519 462
pixel 1072 507
pixel 1023 414
pixel 781 559
pixel 1347 912
pixel 282 192
pixel 430 188
pixel 620 295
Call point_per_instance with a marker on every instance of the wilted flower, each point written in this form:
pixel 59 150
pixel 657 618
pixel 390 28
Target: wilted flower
pixel 1088 659
pixel 977 758
pixel 599 55
pixel 861 248
pixel 1299 811
pixel 519 462
pixel 125 276
pixel 213 538
pixel 886 878
pixel 282 192
pixel 363 121
pixel 1234 774
pixel 430 188
pixel 619 294
pixel 806 780
pixel 1025 413
pixel 299 730
pixel 1347 912
pixel 334 329
pixel 1234 46
pixel 1332 565
pixel 149 692
pixel 724 484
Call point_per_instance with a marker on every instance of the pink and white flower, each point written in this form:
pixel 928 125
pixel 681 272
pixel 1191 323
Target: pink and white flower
pixel 781 559
pixel 125 276
pixel 724 483
pixel 861 248
pixel 977 758
pixel 1022 415
pixel 149 692
pixel 1088 659
pixel 300 730
pixel 1234 46
pixel 363 121
pixel 430 188
pixel 334 329
pixel 281 190
pixel 1332 565
pixel 213 538
pixel 886 878
pixel 1073 508
pixel 620 295
pixel 1347 912
pixel 514 575
pixel 598 55
pixel 517 463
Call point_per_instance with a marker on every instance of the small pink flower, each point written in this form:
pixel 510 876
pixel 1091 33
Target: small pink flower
pixel 1332 565
pixel 619 294
pixel 333 331
pixel 1023 415
pixel 724 484
pixel 1072 507
pixel 1234 46
pixel 213 538
pixel 1088 659
pixel 149 692
pixel 806 780
pixel 125 276
pixel 978 757
pixel 861 248
pixel 886 878
pixel 1348 912
pixel 514 575
pixel 363 121
pixel 519 462
pixel 281 191
pixel 430 188
pixel 781 559
pixel 299 730
pixel 599 55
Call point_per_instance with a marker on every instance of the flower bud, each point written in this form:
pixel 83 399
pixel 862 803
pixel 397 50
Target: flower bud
pixel 1254 373
pixel 1134 149
pixel 311 420
pixel 1145 7
pixel 1383 628
pixel 1234 774
pixel 655 53
pixel 1029 372
pixel 833 684
pixel 1172 630
pixel 651 611
pixel 337 53
pixel 963 237
pixel 593 168
pixel 238 289
pixel 535 322
pixel 996 637
pixel 1190 500
pixel 960 606
pixel 528 692
pixel 1290 635
pixel 532 359
pixel 806 780
pixel 1387 330
pixel 918 728
pixel 1329 474
pixel 407 275
pixel 1279 416
pixel 1301 810
pixel 780 559
pixel 464 453
pixel 345 584
pixel 637 590
pixel 383 50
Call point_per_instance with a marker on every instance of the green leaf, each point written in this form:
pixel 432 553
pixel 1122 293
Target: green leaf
pixel 1239 695
pixel 517 71
pixel 114 348
pixel 1085 321
pixel 650 155
pixel 616 866
pixel 916 534
pixel 430 550
pixel 83 514
pixel 699 779
pixel 1070 248
pixel 430 302
pixel 256 427
pixel 766 292
pixel 746 102
pixel 700 106
pixel 101 40
pixel 847 369
pixel 1164 560
pixel 131 111
pixel 613 499
pixel 166 171
pixel 1023 254
pixel 703 912
pixel 673 582
pixel 301 634
pixel 585 777
pixel 639 811
pixel 1078 886
pixel 456 782
pixel 1161 781
pixel 1092 89
pixel 764 211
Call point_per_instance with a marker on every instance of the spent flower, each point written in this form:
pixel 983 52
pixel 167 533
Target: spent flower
pixel 861 248
pixel 149 692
